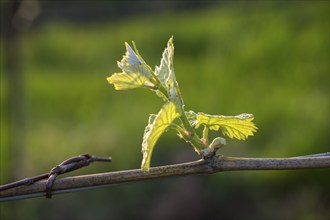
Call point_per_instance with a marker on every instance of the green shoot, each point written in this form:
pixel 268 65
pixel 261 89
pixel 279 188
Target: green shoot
pixel 137 74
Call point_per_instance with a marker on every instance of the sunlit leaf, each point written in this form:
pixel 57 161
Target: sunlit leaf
pixel 239 127
pixel 123 81
pixel 163 70
pixel 135 72
pixel 165 74
pixel 156 127
pixel 132 63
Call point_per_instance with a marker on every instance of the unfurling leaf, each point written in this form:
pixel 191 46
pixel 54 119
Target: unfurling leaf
pixel 165 74
pixel 166 64
pixel 156 127
pixel 135 73
pixel 240 126
pixel 218 142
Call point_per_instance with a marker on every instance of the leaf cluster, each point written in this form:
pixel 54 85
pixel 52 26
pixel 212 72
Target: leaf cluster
pixel 136 73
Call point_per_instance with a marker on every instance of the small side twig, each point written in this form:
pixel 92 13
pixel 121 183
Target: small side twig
pixel 66 166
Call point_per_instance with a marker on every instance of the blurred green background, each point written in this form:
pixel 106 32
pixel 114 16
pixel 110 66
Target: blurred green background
pixel 267 58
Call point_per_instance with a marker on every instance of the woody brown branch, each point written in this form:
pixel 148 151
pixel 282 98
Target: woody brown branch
pixel 207 166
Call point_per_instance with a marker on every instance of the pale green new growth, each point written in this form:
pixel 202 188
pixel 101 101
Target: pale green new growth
pixel 166 75
pixel 124 81
pixel 239 127
pixel 137 74
pixel 156 127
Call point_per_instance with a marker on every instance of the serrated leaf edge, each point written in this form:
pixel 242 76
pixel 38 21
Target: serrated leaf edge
pixel 156 131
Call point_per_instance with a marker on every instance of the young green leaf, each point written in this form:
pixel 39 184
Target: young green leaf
pixel 163 70
pixel 239 127
pixel 165 74
pixel 156 127
pixel 135 73
pixel 123 81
